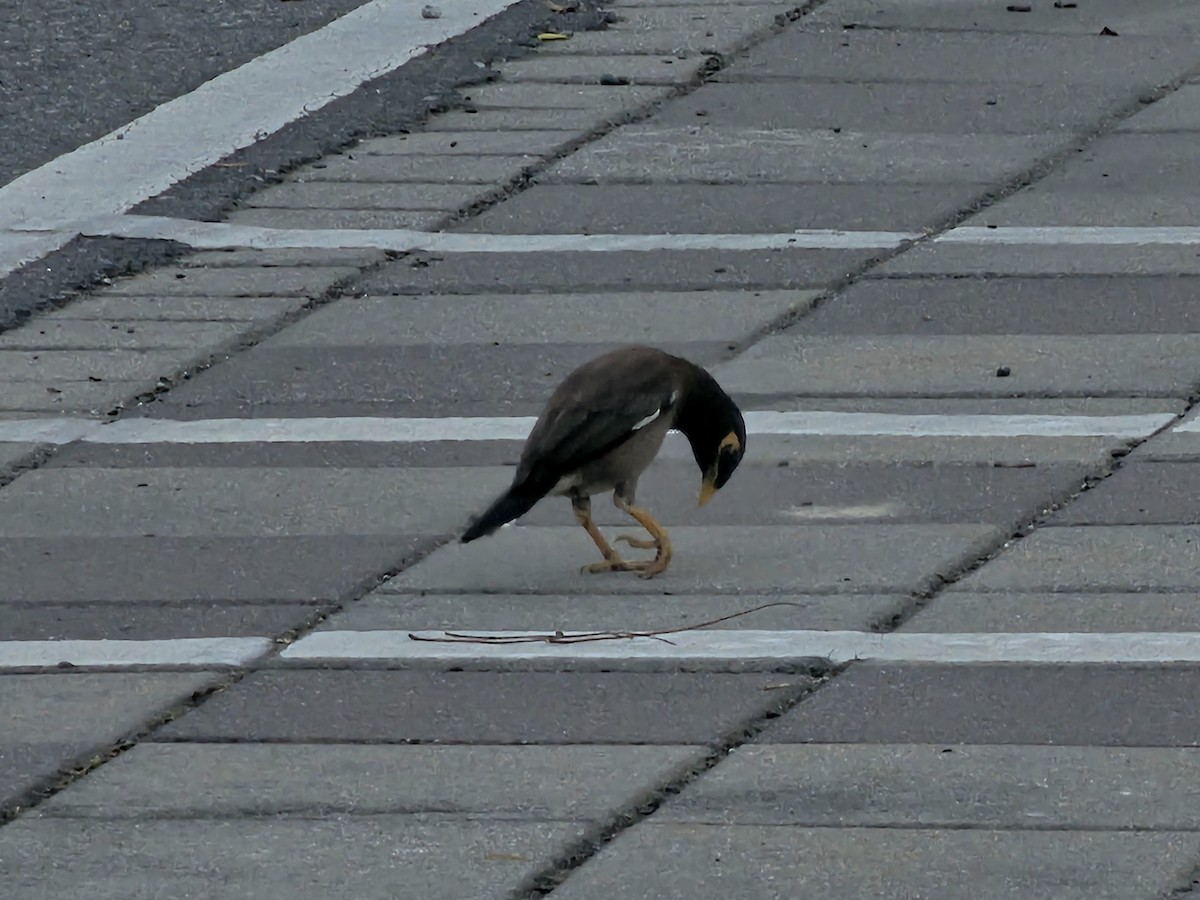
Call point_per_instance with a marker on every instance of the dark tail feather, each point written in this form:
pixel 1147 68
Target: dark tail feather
pixel 509 507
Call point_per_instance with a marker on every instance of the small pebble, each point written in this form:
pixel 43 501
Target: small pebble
pixel 431 12
pixel 1003 372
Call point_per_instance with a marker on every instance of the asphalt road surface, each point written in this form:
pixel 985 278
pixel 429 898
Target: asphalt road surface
pixel 282 285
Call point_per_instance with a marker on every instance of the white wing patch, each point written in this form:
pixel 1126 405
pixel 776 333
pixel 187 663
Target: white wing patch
pixel 650 418
pixel 646 421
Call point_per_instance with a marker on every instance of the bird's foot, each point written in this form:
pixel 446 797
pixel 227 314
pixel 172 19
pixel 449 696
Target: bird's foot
pixel 646 568
pixel 639 543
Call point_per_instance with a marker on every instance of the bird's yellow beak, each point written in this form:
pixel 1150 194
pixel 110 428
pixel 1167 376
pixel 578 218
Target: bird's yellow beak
pixel 707 489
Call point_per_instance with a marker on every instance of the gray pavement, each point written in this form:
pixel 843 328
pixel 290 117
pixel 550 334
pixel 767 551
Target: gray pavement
pixel 949 436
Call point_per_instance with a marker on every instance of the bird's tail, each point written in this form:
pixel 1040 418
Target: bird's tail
pixel 510 506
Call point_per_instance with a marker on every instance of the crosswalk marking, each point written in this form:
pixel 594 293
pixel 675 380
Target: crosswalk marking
pixel 699 646
pixel 59 431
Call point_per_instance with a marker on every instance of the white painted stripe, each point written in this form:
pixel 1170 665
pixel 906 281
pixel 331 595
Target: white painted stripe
pixel 516 428
pixel 1191 426
pixel 219 235
pixel 217 651
pixel 1072 235
pixel 730 645
pixel 47 430
pixel 144 158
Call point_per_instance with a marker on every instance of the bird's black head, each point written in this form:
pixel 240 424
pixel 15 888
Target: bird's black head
pixel 716 430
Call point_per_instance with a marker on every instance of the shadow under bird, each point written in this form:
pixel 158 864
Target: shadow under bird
pixel 601 429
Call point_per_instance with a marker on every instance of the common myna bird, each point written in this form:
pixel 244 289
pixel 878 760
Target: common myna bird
pixel 603 427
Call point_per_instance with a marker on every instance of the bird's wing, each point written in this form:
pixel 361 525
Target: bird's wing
pixel 586 421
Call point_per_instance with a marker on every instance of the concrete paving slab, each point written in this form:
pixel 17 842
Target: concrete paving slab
pixel 471 143
pixel 47 367
pixel 850 559
pixel 224 281
pixel 506 319
pixel 1051 305
pixel 713 31
pixel 1117 559
pixel 962 56
pixel 721 208
pixel 364 857
pixel 382 611
pixel 706 862
pixel 578 121
pixel 1064 260
pixel 668 270
pixel 934 786
pixel 765 493
pixel 24 767
pixel 242 502
pixel 176 309
pixel 313 195
pixel 15 454
pixel 419 220
pixel 1078 705
pixel 1133 162
pixel 1138 493
pixel 282 258
pixel 1178 111
pixel 1164 18
pixel 421 380
pixel 39 621
pixel 89 708
pixel 70 396
pixel 245 780
pixel 1056 205
pixel 432 169
pixel 654 68
pixel 532 95
pixel 938 365
pixel 482 707
pixel 1170 446
pixel 642 154
pixel 131 334
pixel 955 613
pixel 994 406
pixel 904 107
pixel 221 570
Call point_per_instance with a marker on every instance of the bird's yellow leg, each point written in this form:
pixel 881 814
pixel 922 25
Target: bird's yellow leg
pixel 612 560
pixel 660 541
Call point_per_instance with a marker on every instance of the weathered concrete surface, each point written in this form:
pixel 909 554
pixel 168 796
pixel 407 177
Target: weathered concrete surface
pixel 656 153
pixel 707 862
pixel 388 611
pixel 948 118
pixel 508 319
pixel 998 704
pixel 244 780
pixel 366 856
pixel 1107 558
pixel 939 365
pixel 243 503
pixel 1058 612
pixel 721 208
pixel 936 786
pixel 483 707
pixel 851 559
